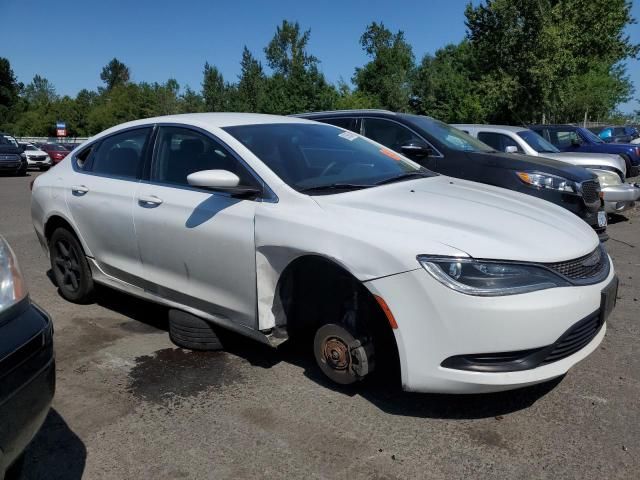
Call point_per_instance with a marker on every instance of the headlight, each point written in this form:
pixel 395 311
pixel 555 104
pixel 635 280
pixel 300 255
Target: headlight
pixel 546 180
pixel 606 178
pixel 12 286
pixel 488 278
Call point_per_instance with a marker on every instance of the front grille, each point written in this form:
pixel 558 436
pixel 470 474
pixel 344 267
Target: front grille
pixel 591 192
pixel 9 158
pixel 576 338
pixel 583 268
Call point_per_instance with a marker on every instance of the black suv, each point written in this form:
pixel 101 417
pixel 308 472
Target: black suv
pixel 12 157
pixel 449 151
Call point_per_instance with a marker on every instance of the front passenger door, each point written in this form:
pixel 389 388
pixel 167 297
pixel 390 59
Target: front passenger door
pixel 197 246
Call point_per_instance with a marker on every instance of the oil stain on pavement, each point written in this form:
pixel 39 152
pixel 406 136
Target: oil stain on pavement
pixel 172 375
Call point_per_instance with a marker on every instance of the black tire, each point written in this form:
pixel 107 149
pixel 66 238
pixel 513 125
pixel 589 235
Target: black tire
pixel 70 268
pixel 191 332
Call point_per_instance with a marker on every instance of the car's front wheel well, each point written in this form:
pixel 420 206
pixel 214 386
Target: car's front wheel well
pixel 314 291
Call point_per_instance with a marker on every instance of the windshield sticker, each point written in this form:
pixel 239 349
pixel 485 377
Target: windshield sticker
pixel 390 154
pixel 347 135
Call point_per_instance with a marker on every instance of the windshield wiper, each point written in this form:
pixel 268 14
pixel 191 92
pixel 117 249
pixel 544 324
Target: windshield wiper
pixel 335 186
pixel 403 176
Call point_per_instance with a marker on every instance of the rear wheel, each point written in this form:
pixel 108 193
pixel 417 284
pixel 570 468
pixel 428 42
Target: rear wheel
pixel 70 268
pixel 191 332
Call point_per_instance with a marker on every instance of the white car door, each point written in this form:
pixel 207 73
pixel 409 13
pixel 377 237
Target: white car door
pixel 100 195
pixel 197 246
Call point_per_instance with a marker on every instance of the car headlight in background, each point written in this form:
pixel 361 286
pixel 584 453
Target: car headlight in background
pixel 606 178
pixel 488 278
pixel 12 286
pixel 546 180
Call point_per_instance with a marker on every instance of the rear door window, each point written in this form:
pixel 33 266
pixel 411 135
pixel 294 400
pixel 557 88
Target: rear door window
pixel 121 155
pixel 390 134
pixel 498 141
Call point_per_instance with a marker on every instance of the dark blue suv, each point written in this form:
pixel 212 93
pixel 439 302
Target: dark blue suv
pixel 570 138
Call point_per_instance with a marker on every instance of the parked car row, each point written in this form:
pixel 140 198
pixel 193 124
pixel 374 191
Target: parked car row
pixel 287 229
pixel 610 169
pixel 617 134
pixel 448 150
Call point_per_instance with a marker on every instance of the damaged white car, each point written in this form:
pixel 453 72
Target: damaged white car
pixel 285 229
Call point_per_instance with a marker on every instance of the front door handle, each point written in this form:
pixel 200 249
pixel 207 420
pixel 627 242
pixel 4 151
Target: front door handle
pixel 79 190
pixel 149 201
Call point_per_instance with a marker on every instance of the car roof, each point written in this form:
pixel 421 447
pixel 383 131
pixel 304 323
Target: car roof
pixel 509 128
pixel 360 111
pixel 213 119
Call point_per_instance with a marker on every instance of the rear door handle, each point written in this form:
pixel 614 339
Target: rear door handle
pixel 79 189
pixel 149 201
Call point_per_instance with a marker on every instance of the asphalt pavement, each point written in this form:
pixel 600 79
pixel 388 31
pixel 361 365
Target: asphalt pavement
pixel 131 405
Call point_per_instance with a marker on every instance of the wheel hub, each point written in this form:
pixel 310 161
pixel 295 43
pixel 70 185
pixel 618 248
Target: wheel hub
pixel 336 353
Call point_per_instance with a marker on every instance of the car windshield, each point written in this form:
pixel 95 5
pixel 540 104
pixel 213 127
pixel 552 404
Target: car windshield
pixel 57 148
pixel 450 136
pixel 324 159
pixel 30 148
pixel 8 140
pixel 591 136
pixel 536 142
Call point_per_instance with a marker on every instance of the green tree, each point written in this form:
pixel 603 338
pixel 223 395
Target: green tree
pixel 444 86
pixel 9 91
pixel 530 56
pixel 297 85
pixel 40 92
pixel 387 76
pixel 191 101
pixel 251 84
pixel 115 73
pixel 214 90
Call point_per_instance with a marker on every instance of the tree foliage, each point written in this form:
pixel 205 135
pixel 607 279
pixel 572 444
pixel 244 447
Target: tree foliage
pixel 386 79
pixel 521 61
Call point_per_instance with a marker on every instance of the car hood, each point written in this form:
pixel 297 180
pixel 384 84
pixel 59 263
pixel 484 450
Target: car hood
pixel 586 159
pixel 10 149
pixel 479 220
pixel 530 163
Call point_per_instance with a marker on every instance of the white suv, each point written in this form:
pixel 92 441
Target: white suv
pixel 275 227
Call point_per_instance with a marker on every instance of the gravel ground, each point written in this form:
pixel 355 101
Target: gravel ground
pixel 129 404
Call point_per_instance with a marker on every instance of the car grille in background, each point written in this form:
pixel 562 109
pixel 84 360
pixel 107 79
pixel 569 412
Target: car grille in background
pixel 9 158
pixel 591 192
pixel 37 157
pixel 583 268
pixel 576 338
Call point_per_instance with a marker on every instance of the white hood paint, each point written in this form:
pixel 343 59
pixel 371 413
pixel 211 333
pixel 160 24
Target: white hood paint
pixel 379 231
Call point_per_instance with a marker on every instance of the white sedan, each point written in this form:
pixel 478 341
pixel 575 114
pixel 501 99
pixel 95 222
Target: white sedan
pixel 284 229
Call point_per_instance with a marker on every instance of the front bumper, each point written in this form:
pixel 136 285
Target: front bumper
pixel 40 163
pixel 27 380
pixel 436 323
pixel 618 198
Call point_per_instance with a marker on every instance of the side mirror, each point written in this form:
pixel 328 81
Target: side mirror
pixel 576 142
pixel 416 149
pixel 213 179
pixel 511 149
pixel 222 180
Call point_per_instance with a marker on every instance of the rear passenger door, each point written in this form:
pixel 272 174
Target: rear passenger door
pixel 100 196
